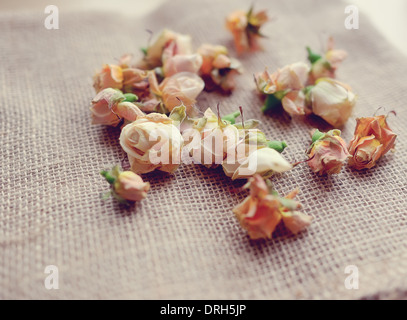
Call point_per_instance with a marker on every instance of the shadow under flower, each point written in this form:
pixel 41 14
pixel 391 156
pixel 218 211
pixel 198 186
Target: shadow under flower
pixel 317 122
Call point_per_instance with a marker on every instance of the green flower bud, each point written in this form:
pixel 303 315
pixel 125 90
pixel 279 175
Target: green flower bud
pixel 130 97
pixel 248 124
pixel 277 145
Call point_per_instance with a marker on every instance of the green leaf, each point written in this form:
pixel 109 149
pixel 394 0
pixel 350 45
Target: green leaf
pixel 257 138
pixel 231 117
pixel 248 124
pixel 290 204
pixel 312 56
pixel 250 12
pixel 178 114
pixel 109 178
pixel 144 50
pixel 201 123
pixel 317 135
pixel 277 145
pixel 130 97
pixel 271 103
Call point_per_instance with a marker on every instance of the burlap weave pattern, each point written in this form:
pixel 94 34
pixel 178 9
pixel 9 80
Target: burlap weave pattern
pixel 183 241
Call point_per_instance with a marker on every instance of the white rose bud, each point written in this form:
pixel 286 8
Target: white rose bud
pixel 152 142
pixel 264 161
pixel 210 138
pixel 332 100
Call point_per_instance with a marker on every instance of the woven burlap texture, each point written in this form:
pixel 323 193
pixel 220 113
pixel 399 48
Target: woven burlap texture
pixel 183 241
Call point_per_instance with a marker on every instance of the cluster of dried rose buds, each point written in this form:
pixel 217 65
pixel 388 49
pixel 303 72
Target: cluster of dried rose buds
pixel 302 89
pixel 240 148
pixel 169 70
pixel 372 139
pixel 262 210
pixel 154 102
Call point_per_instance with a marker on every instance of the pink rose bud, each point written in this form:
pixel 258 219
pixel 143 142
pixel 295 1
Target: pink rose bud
pixel 284 87
pixel 182 63
pixel 110 107
pixel 131 186
pixel 167 44
pixel 125 185
pixel 218 70
pixel 111 76
pixel 327 153
pixel 184 86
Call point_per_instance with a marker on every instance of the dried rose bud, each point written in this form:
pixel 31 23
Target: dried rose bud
pixel 136 81
pixel 327 153
pixel 131 186
pixel 184 86
pixel 263 161
pixel 261 212
pixel 182 63
pixel 245 28
pixel 180 44
pixel 126 185
pixel 218 69
pixel 152 142
pixel 110 107
pixel 372 139
pixel 111 76
pixel 254 154
pixel 325 66
pixel 209 139
pixel 332 100
pixel 284 87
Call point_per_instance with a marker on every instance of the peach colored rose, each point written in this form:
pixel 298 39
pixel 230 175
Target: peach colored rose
pixel 218 69
pixel 372 139
pixel 285 85
pixel 125 185
pixel 184 86
pixel 108 108
pixel 178 44
pixel 213 56
pixel 131 186
pixel 332 100
pixel 111 76
pixel 261 212
pixel 328 152
pixel 182 63
pixel 152 142
pixel 136 81
pixel 245 28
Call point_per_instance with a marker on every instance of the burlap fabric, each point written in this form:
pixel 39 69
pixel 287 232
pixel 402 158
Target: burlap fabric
pixel 183 241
